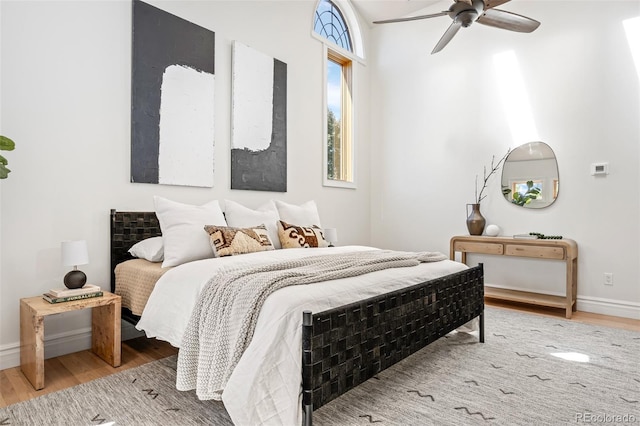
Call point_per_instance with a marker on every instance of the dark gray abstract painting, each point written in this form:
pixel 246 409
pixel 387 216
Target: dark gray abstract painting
pixel 172 99
pixel 259 122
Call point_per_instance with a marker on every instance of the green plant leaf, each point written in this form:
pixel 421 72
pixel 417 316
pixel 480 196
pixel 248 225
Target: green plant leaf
pixel 4 172
pixel 6 144
pixel 3 161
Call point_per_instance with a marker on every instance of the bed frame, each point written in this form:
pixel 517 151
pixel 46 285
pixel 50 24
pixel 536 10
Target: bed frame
pixel 128 228
pixel 347 345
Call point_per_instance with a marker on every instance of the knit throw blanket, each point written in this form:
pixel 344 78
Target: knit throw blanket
pixel 224 318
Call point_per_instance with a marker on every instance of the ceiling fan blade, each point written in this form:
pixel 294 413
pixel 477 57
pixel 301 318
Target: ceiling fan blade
pixel 489 4
pixel 447 36
pixel 508 21
pixel 411 18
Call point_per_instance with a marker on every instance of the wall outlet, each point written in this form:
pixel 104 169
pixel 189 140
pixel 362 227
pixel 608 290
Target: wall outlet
pixel 608 278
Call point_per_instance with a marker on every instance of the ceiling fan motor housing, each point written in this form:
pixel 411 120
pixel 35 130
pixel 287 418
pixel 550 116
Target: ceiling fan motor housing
pixel 464 13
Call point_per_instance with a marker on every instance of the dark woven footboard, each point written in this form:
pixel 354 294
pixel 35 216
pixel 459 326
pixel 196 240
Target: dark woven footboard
pixel 346 346
pixel 128 228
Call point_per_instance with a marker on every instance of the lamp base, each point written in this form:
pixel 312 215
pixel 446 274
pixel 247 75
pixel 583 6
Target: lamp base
pixel 75 279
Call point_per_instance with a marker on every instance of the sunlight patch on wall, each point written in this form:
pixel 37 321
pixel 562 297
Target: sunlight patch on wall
pixel 515 99
pixel 632 28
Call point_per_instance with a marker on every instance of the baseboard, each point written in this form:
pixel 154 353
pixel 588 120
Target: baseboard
pixel 54 345
pixel 594 305
pixel 9 356
pixel 61 344
pixel 616 308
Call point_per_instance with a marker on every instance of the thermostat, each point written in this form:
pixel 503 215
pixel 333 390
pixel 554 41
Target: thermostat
pixel 599 169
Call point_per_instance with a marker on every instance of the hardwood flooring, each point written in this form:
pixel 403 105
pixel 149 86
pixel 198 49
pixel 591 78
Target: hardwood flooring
pixel 80 367
pixel 578 316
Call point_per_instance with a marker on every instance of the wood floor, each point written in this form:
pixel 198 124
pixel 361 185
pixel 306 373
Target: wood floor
pixel 80 367
pixel 72 369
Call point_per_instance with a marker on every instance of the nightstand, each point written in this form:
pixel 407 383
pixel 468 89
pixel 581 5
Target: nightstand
pixel 105 331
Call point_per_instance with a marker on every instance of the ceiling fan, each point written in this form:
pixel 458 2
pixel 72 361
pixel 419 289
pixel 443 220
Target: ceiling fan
pixel 466 12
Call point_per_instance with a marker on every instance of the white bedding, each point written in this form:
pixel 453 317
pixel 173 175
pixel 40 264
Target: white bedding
pixel 265 386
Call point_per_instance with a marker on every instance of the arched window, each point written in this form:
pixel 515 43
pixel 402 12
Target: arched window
pixel 330 24
pixel 335 24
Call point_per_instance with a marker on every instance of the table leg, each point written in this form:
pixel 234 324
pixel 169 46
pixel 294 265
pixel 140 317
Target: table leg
pixel 32 346
pixel 105 332
pixel 571 287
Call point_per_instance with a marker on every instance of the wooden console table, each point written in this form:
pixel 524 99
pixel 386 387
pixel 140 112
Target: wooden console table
pixel 564 249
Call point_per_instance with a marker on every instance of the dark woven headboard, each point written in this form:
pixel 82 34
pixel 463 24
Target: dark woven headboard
pixel 128 228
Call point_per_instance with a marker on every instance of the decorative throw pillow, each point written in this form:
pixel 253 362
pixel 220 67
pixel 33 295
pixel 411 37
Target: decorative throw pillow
pixel 240 216
pixel 305 214
pixel 227 241
pixel 150 249
pixel 181 226
pixel 292 236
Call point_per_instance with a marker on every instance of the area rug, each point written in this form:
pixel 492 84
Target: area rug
pixel 532 370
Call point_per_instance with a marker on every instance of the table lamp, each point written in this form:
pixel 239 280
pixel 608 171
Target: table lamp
pixel 74 253
pixel 331 235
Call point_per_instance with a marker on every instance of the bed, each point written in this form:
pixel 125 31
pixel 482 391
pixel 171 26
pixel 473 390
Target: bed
pixel 338 347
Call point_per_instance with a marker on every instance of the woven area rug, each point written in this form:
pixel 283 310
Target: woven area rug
pixel 532 370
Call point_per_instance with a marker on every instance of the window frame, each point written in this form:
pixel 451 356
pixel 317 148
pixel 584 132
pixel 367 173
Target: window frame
pixel 351 20
pixel 330 50
pixel 349 130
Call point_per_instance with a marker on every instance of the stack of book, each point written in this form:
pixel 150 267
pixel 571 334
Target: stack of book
pixel 67 295
pixel 526 236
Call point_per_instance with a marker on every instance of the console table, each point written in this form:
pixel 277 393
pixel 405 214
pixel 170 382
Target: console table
pixel 547 249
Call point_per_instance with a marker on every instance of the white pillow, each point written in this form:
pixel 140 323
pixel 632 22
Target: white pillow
pixel 303 215
pixel 182 227
pixel 239 216
pixel 151 249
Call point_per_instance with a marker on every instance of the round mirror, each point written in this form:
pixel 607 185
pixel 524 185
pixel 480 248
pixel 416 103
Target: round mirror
pixel 530 176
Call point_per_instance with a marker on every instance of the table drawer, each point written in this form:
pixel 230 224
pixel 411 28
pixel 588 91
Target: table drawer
pixel 474 247
pixel 534 251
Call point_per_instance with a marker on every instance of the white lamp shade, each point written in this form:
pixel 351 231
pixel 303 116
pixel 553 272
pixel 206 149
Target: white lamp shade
pixel 74 253
pixel 331 234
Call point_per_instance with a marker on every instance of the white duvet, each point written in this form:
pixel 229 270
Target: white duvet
pixel 265 387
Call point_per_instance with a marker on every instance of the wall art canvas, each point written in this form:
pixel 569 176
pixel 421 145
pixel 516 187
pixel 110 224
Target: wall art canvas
pixel 259 121
pixel 172 99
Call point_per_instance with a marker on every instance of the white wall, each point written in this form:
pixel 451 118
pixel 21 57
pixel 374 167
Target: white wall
pixel 438 119
pixel 66 69
pixel 428 123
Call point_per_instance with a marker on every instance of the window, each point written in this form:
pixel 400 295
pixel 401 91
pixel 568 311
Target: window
pixel 524 192
pixel 339 146
pixel 341 39
pixel 330 24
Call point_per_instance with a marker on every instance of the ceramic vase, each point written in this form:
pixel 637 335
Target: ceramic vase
pixel 475 220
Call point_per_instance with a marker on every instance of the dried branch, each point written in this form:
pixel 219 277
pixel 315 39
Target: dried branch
pixel 494 168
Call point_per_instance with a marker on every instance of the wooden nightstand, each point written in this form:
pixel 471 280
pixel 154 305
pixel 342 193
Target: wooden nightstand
pixel 105 331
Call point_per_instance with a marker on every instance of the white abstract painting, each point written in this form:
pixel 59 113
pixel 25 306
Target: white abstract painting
pixel 186 127
pixel 252 98
pixel 172 99
pixel 259 121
